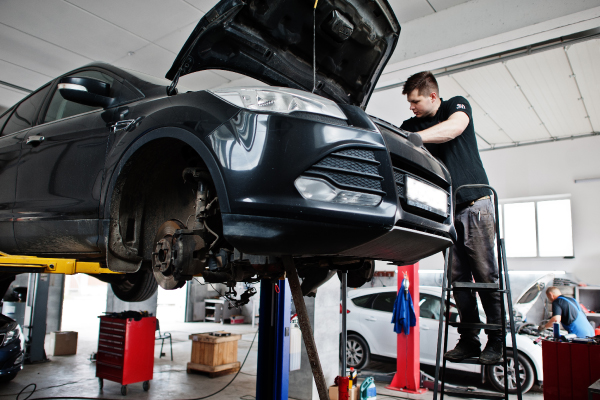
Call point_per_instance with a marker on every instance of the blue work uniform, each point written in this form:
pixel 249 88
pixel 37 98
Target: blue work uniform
pixel 579 325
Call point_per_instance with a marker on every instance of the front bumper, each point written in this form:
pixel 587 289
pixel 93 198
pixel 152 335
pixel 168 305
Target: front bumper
pixel 9 354
pixel 260 157
pixel 279 236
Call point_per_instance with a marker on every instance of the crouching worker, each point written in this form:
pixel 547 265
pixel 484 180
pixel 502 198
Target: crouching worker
pixel 567 311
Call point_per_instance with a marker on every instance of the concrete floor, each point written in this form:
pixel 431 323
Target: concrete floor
pixel 75 375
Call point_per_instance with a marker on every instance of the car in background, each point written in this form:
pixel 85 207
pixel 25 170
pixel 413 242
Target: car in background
pixel 109 165
pixel 371 333
pixel 11 348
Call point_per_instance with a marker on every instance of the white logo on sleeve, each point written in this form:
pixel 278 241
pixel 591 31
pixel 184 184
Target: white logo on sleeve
pixel 461 107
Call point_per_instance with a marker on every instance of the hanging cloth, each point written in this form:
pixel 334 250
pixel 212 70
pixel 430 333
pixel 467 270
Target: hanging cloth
pixel 403 316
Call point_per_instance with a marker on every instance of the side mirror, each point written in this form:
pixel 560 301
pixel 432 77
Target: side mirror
pixel 86 91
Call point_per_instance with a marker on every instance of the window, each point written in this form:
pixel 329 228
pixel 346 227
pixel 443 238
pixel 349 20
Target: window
pixel 4 118
pixel 429 306
pixel 60 108
pixel 385 302
pixel 362 301
pixel 539 227
pixel 24 115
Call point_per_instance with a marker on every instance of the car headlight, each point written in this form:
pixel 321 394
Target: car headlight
pixel 425 196
pixel 321 190
pixel 12 335
pixel 280 100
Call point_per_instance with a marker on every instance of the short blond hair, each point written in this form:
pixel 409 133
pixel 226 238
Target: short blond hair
pixel 554 290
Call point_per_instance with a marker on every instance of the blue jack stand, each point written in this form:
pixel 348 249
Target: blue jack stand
pixel 273 341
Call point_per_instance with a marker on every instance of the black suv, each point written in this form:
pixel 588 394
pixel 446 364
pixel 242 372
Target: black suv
pixel 112 165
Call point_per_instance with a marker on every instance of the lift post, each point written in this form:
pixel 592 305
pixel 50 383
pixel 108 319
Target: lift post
pixel 272 380
pixel 37 297
pixel 408 372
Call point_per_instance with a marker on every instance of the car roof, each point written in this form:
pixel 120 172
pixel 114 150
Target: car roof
pixel 434 290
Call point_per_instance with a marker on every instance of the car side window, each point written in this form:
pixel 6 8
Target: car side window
pixel 4 118
pixel 26 112
pixel 429 306
pixel 385 302
pixel 60 108
pixel 362 301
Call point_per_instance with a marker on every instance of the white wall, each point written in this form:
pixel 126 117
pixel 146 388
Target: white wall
pixel 547 169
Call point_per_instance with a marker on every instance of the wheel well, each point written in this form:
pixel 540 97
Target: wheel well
pixel 151 190
pixel 535 372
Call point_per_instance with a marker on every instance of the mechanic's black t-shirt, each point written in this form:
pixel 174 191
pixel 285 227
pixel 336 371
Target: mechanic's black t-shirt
pixel 460 155
pixel 566 309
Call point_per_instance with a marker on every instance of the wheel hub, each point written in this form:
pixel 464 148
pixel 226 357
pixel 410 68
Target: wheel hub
pixel 162 254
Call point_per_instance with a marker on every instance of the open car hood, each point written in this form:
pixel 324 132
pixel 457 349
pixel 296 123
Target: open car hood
pixel 272 41
pixel 530 295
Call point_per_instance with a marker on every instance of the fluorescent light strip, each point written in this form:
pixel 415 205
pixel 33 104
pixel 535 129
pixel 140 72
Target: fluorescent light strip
pixel 587 180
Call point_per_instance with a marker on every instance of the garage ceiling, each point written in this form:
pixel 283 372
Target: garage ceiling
pixel 550 95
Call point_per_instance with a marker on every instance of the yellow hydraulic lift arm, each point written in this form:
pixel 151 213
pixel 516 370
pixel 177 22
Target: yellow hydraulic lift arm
pixel 67 266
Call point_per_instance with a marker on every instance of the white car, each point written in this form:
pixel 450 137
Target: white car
pixel 371 333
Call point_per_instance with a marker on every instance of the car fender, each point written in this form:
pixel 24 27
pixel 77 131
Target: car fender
pixel 532 351
pixel 184 136
pixel 188 138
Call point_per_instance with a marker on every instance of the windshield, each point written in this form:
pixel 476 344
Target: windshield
pixel 148 78
pixel 531 294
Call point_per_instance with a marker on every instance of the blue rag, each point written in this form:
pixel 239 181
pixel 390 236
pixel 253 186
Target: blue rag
pixel 403 316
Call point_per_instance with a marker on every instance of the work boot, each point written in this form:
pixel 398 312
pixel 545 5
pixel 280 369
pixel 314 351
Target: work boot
pixel 492 354
pixel 465 348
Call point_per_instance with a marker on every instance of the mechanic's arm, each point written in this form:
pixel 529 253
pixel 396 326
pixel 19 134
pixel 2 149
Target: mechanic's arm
pixel 446 130
pixel 555 318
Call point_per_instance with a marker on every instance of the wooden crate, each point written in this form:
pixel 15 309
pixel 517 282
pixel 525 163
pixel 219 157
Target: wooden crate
pixel 215 355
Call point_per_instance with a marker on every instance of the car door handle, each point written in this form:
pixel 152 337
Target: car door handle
pixel 424 327
pixel 371 319
pixel 34 140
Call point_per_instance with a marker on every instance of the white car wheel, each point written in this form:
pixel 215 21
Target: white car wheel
pixel 495 374
pixel 357 352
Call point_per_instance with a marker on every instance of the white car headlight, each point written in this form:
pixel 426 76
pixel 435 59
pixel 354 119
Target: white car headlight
pixel 12 335
pixel 280 100
pixel 425 196
pixel 321 190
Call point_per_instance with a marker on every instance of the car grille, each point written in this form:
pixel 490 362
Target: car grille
pixel 351 168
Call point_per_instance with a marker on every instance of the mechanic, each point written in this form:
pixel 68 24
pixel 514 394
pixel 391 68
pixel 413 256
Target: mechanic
pixel 567 311
pixel 447 129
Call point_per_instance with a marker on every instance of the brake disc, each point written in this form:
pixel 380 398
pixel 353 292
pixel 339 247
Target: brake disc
pixel 172 258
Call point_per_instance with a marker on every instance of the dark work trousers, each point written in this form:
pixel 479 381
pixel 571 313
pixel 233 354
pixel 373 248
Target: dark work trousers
pixel 473 257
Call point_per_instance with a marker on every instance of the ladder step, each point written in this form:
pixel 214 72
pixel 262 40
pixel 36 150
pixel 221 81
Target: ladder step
pixel 473 395
pixel 473 361
pixel 475 286
pixel 475 326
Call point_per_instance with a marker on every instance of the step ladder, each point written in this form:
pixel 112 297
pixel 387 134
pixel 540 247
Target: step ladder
pixel 503 286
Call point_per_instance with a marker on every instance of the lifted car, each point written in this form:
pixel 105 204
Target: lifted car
pixel 112 165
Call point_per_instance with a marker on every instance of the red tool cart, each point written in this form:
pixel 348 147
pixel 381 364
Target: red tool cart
pixel 569 369
pixel 126 351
